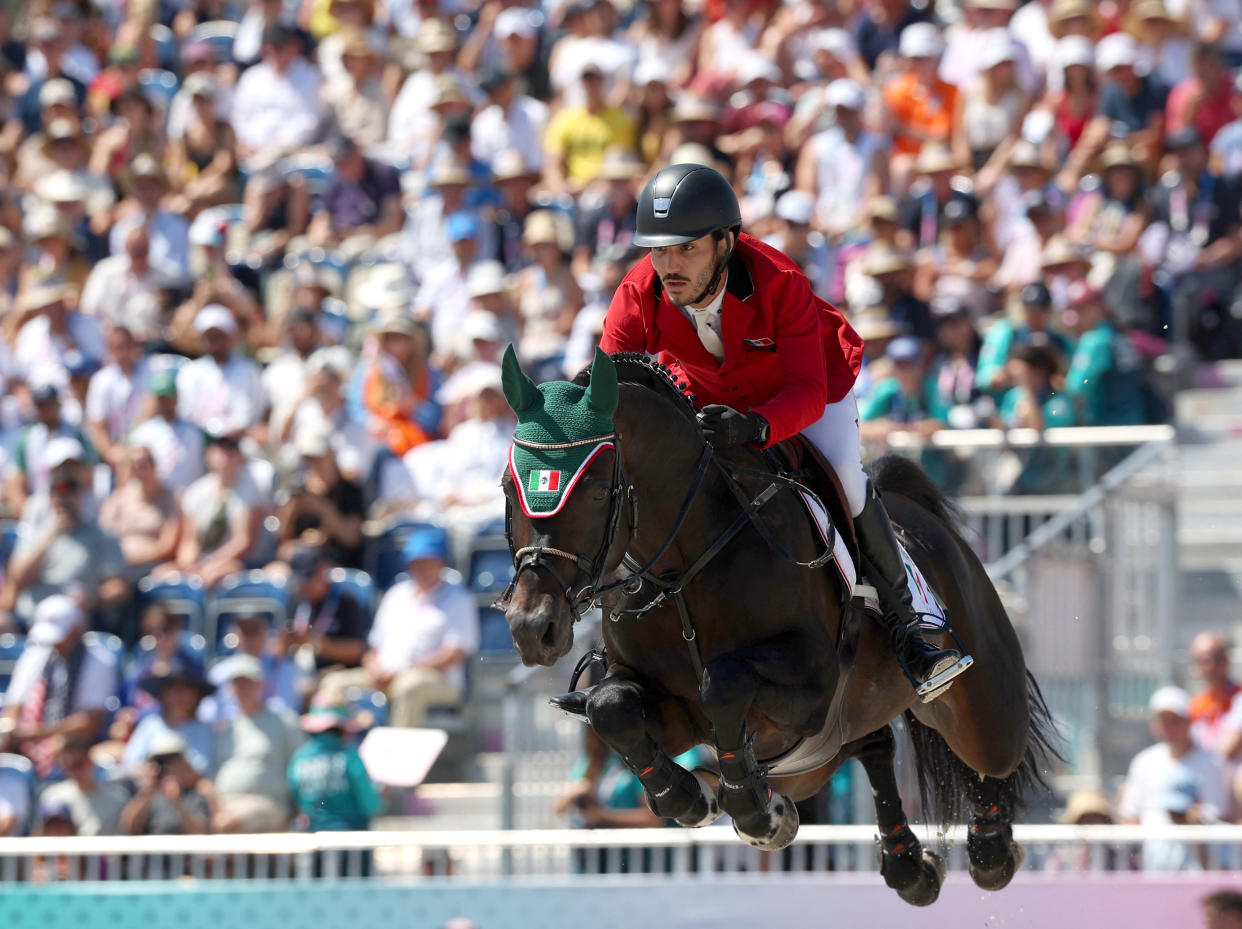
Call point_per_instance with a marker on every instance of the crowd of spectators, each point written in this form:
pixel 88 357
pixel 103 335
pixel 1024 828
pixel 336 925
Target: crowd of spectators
pixel 258 261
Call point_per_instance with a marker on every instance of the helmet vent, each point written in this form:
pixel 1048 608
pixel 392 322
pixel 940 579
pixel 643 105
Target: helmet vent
pixel 660 206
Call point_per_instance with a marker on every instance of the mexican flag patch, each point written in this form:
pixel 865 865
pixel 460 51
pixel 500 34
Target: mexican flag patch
pixel 544 482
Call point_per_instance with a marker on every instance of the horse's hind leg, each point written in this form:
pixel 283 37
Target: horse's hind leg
pixel 616 712
pixel 994 856
pixel 729 687
pixel 914 872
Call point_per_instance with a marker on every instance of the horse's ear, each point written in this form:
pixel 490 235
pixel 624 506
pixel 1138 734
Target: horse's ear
pixel 519 389
pixel 601 393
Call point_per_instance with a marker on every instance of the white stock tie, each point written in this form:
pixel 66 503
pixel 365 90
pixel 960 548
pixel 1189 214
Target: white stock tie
pixel 707 322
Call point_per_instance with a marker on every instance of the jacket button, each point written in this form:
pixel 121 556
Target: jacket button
pixel 733 388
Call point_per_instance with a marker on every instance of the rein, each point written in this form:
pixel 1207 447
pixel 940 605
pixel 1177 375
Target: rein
pixel 670 585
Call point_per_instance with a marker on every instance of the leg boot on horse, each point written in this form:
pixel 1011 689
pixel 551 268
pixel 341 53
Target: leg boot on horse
pixel 931 670
pixel 994 856
pixel 914 872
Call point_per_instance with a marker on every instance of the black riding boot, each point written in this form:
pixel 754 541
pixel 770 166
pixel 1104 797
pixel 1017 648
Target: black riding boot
pixel 929 668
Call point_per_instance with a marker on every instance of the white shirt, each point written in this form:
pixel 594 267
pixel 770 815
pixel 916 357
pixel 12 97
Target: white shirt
pixel 1153 767
pixel 114 294
pixel 411 120
pixel 961 62
pixel 116 398
pixel 710 315
pixel 203 499
pixel 272 110
pixel 177 447
pixel 409 626
pixel 284 382
pixel 231 396
pixel 37 346
pixel 96 678
pixel 841 169
pixel 169 234
pixel 495 130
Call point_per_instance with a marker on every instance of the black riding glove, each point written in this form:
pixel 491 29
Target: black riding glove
pixel 724 426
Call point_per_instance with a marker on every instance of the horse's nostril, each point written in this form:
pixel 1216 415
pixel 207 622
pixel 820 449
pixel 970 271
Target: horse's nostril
pixel 549 635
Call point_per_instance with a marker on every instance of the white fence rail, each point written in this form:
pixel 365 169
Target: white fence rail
pixel 494 855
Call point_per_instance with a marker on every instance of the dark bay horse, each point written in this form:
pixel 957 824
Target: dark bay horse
pixel 762 659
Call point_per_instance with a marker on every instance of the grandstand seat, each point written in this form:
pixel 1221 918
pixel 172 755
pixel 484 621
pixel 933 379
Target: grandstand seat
pixel 219 34
pixel 254 591
pixel 489 567
pixel 180 594
pixel 159 87
pixel 116 647
pixel 19 772
pixel 383 551
pixel 494 638
pixel 357 584
pixel 192 643
pixel 8 541
pixel 370 707
pixel 11 645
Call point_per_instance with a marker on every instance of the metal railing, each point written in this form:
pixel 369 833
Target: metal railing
pixel 501 855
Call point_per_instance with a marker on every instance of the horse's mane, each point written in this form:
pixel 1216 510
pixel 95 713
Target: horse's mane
pixel 645 371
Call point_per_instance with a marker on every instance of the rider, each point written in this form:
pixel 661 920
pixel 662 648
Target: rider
pixel 736 320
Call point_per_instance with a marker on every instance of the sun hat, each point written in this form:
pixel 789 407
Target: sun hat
pixel 425 542
pixel 905 349
pixel 61 450
pixel 485 278
pixel 1170 699
pixel 239 665
pixel 1085 803
pixel 874 324
pixel 55 618
pixel 215 316
pixel 920 40
pixel 166 744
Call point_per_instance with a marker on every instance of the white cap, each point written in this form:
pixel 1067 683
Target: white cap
pixel 335 358
pixel 1115 51
pixel 62 187
pixel 845 92
pixel 210 227
pixel 167 742
pixel 57 90
pixel 516 20
pixel 921 40
pixel 756 66
pixel 238 665
pixel 315 442
pixel 998 48
pixel 1075 50
pixel 1170 699
pixel 54 618
pixel 834 41
pixel 485 277
pixel 470 381
pixel 482 325
pixel 61 449
pixel 652 71
pixel 796 206
pixel 215 316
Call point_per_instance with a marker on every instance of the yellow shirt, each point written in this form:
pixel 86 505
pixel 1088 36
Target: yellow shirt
pixel 582 138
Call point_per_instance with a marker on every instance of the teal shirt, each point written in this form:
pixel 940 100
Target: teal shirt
pixel 331 786
pixel 998 345
pixel 889 401
pixel 1057 409
pixel 1105 379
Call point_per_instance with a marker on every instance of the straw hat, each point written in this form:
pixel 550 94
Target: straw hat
pixel 47 222
pixel 880 260
pixel 874 324
pixel 882 208
pixel 1064 10
pixel 394 322
pixel 935 157
pixel 449 91
pixel 691 109
pixel 1085 802
pixel 547 226
pixel 436 35
pixel 510 165
pixel 1145 12
pixel 620 165
pixel 1118 155
pixel 1026 155
pixel 1060 252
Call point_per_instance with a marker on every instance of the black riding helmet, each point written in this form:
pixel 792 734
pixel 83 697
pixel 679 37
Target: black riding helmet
pixel 685 202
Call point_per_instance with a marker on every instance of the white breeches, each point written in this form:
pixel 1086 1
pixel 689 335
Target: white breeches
pixel 836 435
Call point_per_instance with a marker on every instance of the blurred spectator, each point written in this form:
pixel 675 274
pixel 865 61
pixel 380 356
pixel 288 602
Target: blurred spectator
pixel 330 787
pixel 202 160
pixel 284 683
pixel 361 203
pixel 143 514
pixel 115 397
pixel 326 618
pixel 49 330
pixel 1036 401
pixel 1209 707
pixel 1084 807
pixel 176 444
pixel 60 685
pixel 94 802
pixel 15 801
pixel 171 797
pixel 397 382
pixel 55 821
pixel 606 211
pixel 992 104
pixel 1104 378
pixel 178 687
pixel 954 361
pixel 160 645
pixel 32 464
pixel 167 232
pixel 1173 780
pixel 323 505
pixel 1132 105
pixel 277 106
pixel 578 136
pixel 252 757
pixel 425 629
pixel 508 121
pixel 359 106
pixel 921 104
pixel 546 291
pixel 903 402
pixel 222 389
pixel 1203 101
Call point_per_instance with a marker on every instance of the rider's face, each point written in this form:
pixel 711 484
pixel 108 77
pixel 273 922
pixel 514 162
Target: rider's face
pixel 686 269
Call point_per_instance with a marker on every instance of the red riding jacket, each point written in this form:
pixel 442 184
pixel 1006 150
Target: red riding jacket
pixel 787 353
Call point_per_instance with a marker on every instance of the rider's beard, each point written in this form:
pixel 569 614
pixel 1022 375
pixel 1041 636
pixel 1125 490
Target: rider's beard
pixel 692 290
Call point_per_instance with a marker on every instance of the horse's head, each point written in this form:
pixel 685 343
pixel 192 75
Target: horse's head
pixel 564 491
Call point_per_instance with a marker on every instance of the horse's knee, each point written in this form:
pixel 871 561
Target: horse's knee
pixel 615 710
pixel 728 685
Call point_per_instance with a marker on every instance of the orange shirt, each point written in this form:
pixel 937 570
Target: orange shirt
pixel 1207 714
pixel 916 106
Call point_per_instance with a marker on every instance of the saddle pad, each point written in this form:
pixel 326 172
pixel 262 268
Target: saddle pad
pixel 927 605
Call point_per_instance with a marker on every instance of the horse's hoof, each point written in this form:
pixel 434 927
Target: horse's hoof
pixel 998 878
pixel 707 812
pixel 924 889
pixel 781 826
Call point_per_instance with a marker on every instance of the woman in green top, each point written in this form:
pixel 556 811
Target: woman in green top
pixel 1035 403
pixel 327 780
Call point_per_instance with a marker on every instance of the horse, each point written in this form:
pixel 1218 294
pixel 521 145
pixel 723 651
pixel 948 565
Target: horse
pixel 719 639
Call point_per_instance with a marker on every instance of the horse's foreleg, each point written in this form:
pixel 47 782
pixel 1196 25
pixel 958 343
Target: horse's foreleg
pixel 730 685
pixel 616 712
pixel 914 872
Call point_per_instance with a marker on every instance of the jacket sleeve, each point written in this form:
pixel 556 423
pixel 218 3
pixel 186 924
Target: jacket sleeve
pixel 800 348
pixel 624 329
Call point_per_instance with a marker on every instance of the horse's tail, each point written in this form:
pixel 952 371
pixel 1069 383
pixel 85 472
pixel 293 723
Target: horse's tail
pixel 945 781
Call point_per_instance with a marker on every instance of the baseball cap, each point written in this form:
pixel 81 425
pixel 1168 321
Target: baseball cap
pixel 164 383
pixel 845 92
pixel 304 562
pixel 1116 51
pixel 215 316
pixel 57 91
pixel 1170 699
pixel 55 809
pixel 239 665
pixel 517 21
pixel 461 225
pixel 921 40
pixel 481 326
pixel 62 449
pixel 166 744
pixel 485 277
pixel 314 443
pixel 1179 792
pixel 796 206
pixel 904 349
pixel 428 542
pixel 54 618
pixel 1075 50
pixel 1036 294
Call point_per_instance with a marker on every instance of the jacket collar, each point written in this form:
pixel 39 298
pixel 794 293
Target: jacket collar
pixel 740 284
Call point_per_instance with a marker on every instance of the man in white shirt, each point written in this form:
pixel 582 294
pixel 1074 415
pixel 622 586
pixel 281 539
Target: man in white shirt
pixel 124 290
pixel 411 118
pixel 223 389
pixel 424 631
pixel 53 330
pixel 168 232
pixel 277 106
pixel 176 443
pixel 60 686
pixel 509 120
pixel 116 396
pixel 1162 769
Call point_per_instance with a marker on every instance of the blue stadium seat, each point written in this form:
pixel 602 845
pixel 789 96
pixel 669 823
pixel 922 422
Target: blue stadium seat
pixel 180 594
pixel 159 87
pixel 11 646
pixel 219 34
pixel 494 638
pixel 383 551
pixel 246 591
pixel 489 567
pixel 357 584
pixel 192 643
pixel 369 707
pixel 8 541
pixel 17 771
